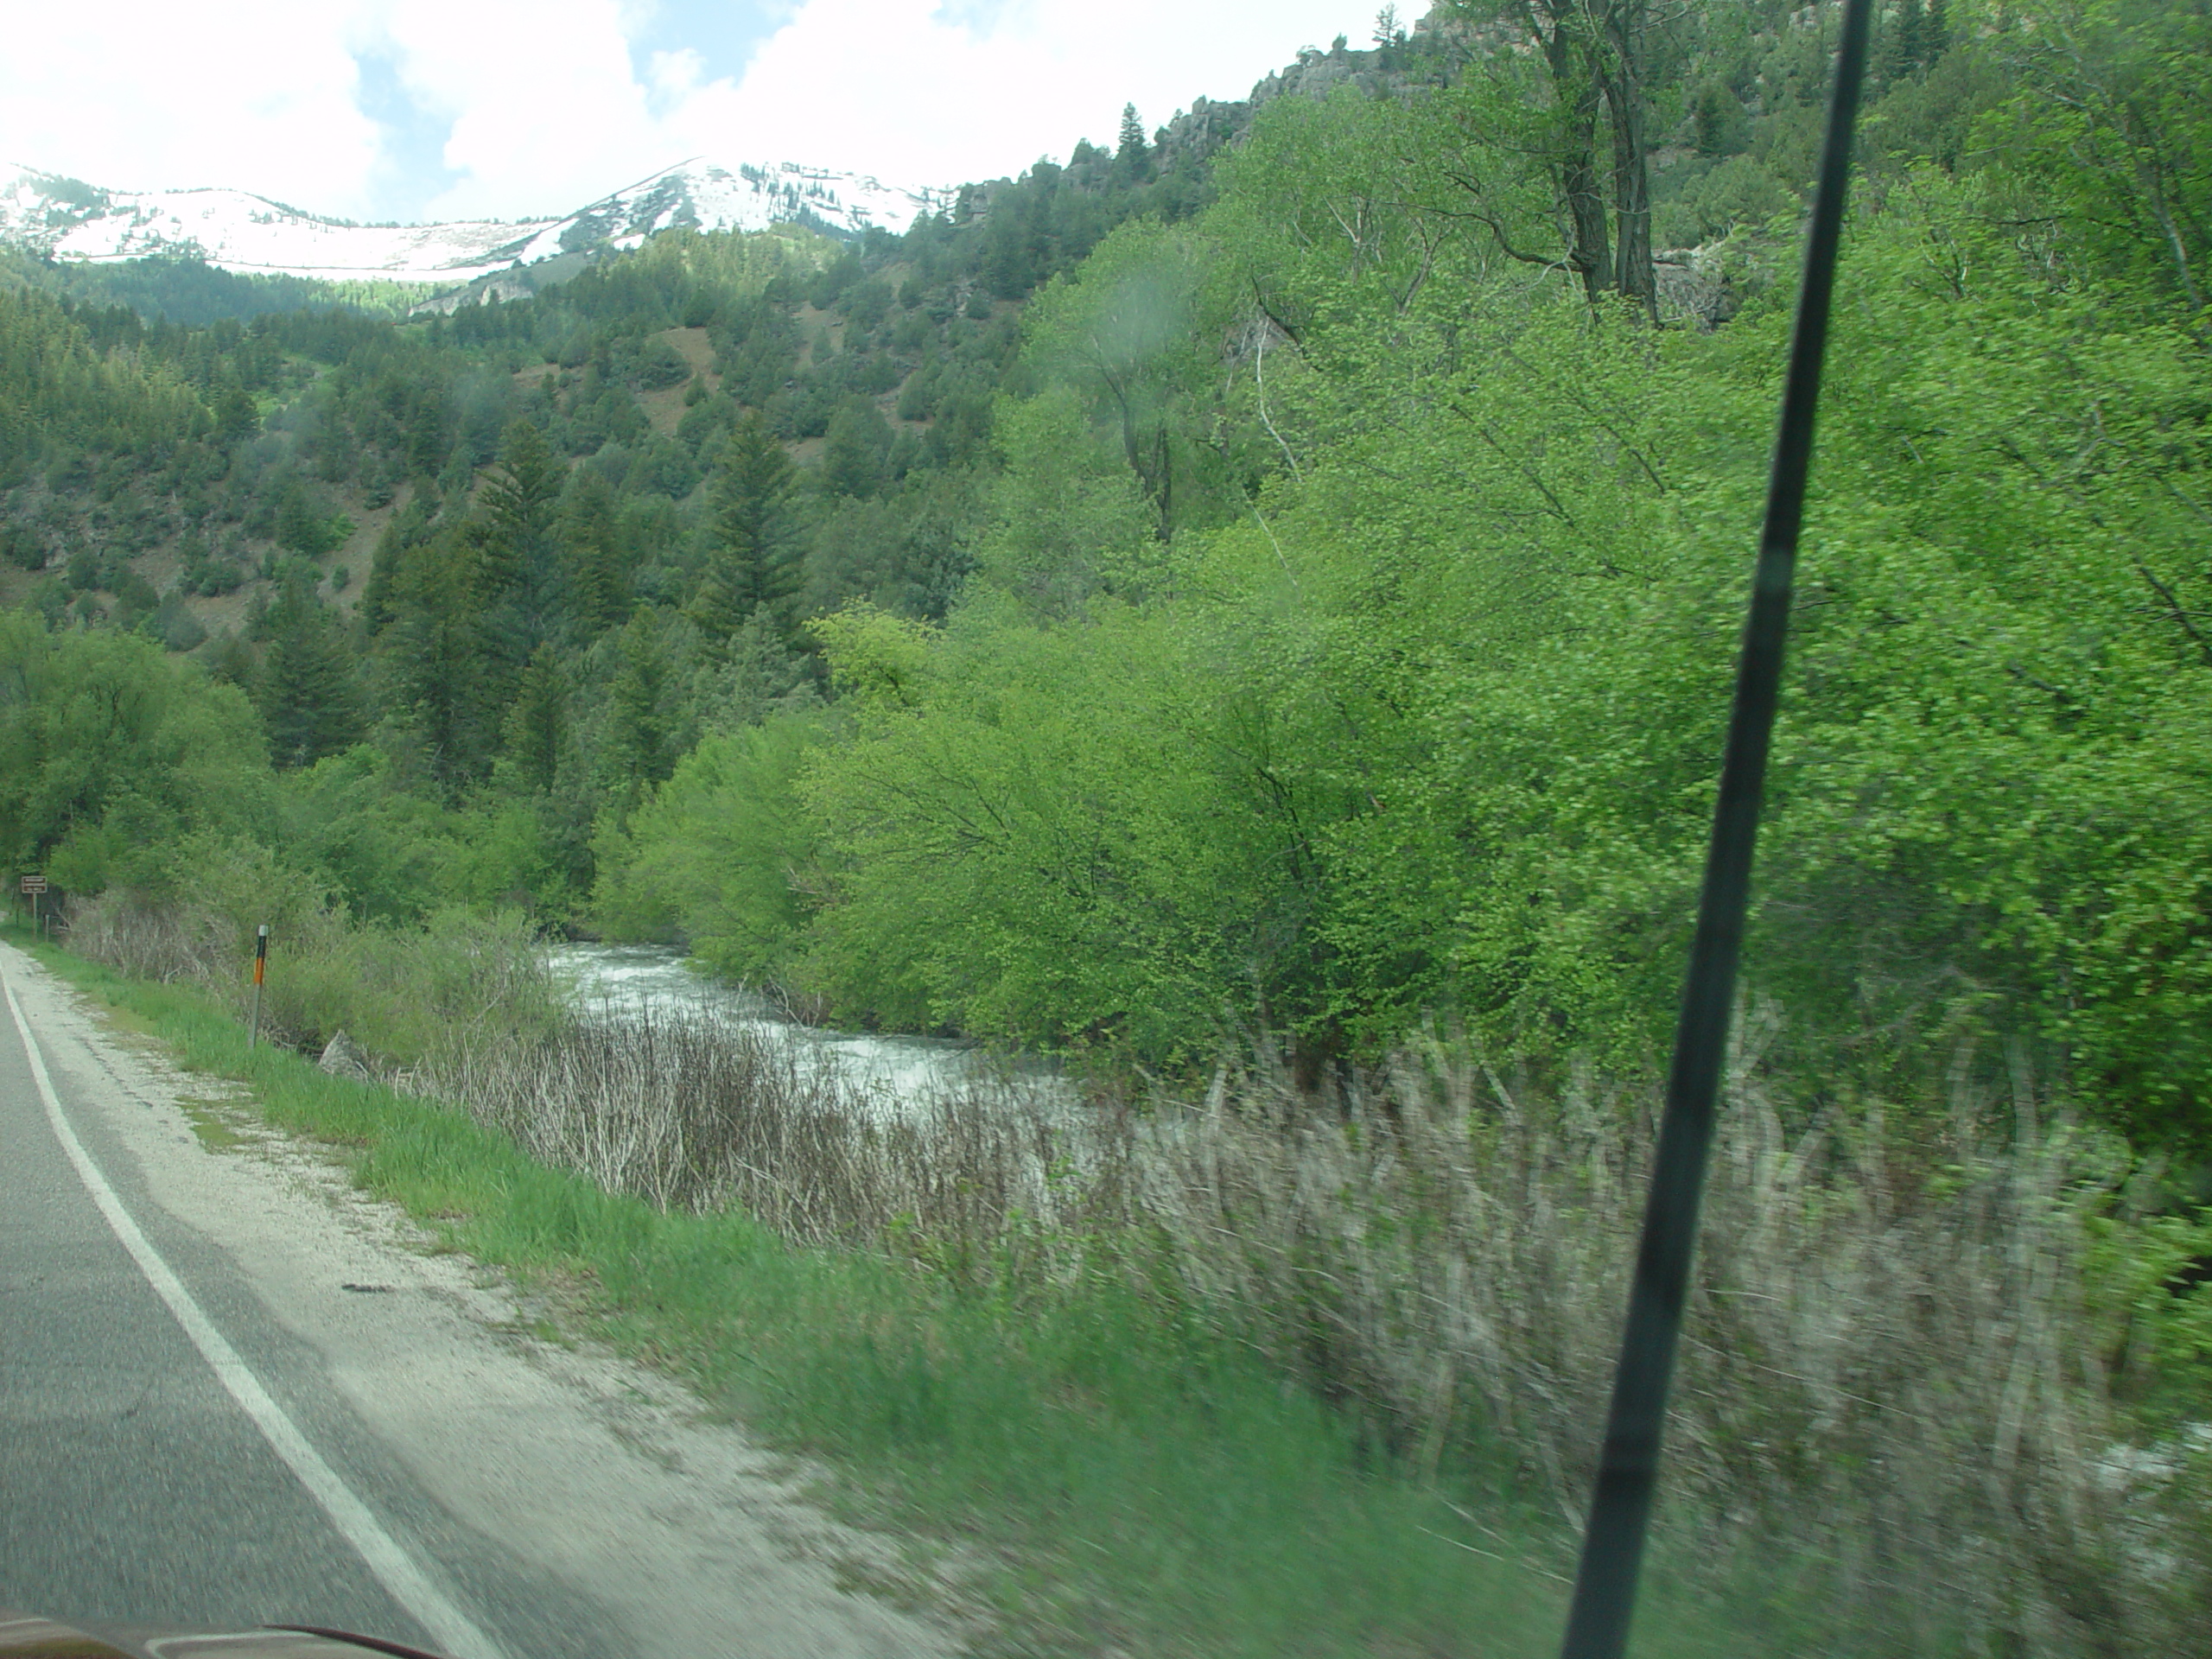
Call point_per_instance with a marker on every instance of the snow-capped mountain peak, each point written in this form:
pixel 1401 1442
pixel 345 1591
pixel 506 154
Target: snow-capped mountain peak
pixel 66 219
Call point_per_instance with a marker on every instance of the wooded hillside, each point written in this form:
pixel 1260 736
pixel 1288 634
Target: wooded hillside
pixel 1279 574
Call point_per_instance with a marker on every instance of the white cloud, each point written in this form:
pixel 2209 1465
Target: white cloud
pixel 144 96
pixel 550 107
pixel 925 92
pixel 547 111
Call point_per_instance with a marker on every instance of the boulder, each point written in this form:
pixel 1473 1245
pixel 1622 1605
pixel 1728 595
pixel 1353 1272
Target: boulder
pixel 343 1057
pixel 1696 287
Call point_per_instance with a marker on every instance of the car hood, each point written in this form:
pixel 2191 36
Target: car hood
pixel 25 1635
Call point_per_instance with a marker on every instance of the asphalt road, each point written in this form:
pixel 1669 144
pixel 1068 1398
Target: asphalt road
pixel 135 1487
pixel 204 1423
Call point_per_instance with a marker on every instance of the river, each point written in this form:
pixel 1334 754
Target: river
pixel 627 982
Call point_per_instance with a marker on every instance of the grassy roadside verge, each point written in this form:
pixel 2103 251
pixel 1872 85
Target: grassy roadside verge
pixel 1131 1480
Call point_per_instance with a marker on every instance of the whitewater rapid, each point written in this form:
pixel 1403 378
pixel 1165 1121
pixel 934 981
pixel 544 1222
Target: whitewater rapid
pixel 630 982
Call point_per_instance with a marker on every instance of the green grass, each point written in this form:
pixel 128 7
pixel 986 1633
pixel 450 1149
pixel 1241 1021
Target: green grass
pixel 214 1122
pixel 1109 1475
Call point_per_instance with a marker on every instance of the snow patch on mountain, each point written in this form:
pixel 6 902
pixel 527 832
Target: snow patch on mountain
pixel 66 219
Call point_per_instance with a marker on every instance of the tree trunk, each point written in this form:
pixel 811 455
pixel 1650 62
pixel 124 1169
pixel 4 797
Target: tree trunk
pixel 1633 273
pixel 1574 67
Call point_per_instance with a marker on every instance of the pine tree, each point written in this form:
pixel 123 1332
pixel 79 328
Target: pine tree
pixel 305 687
pixel 428 436
pixel 595 574
pixel 755 564
pixel 300 527
pixel 383 567
pixel 537 724
pixel 1935 32
pixel 641 724
pixel 436 648
pixel 520 504
pixel 235 415
pixel 508 563
pixel 1902 43
pixel 1133 155
pixel 1711 111
pixel 856 448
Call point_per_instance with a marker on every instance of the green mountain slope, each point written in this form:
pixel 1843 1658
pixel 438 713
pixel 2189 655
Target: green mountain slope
pixel 1278 574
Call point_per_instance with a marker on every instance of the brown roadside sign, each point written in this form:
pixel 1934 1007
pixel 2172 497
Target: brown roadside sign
pixel 34 884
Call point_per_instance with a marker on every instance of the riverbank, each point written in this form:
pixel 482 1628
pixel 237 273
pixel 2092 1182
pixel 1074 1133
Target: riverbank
pixel 1344 1360
pixel 1095 1478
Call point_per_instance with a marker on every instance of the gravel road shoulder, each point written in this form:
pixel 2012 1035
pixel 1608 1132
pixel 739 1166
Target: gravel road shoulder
pixel 607 1475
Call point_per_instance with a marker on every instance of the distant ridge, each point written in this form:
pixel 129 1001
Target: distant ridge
pixel 67 220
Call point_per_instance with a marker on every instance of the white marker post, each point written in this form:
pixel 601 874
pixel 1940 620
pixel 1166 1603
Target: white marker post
pixel 260 967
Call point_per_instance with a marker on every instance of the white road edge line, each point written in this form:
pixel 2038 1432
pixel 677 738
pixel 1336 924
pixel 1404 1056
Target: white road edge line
pixel 396 1569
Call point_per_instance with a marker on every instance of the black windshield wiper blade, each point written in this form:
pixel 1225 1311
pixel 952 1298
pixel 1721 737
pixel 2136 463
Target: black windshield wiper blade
pixel 1620 1511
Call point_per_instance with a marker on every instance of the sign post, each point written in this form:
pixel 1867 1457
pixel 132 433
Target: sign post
pixel 33 886
pixel 260 967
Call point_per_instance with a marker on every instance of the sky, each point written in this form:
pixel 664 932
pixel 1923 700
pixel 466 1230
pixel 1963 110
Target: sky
pixel 420 110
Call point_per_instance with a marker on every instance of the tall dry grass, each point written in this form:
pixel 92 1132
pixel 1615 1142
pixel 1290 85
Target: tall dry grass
pixel 1891 1398
pixel 411 995
pixel 1890 1412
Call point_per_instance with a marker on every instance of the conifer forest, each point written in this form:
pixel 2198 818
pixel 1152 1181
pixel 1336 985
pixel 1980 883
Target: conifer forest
pixel 1270 586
